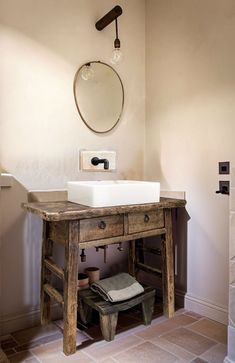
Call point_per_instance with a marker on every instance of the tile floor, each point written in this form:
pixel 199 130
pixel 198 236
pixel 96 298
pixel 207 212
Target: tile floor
pixel 188 337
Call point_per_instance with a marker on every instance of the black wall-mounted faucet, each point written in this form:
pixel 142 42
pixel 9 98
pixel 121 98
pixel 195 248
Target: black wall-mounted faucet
pixel 96 161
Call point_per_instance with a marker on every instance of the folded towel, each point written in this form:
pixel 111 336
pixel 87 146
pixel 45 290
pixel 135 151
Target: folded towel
pixel 117 288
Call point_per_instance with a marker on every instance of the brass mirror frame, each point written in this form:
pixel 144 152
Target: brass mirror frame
pixel 76 101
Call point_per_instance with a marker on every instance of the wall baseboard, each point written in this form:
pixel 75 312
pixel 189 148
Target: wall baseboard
pixel 12 323
pixel 206 308
pixel 180 298
pixel 16 322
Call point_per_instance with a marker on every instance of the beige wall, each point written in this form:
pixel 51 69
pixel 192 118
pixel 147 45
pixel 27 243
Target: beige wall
pixel 42 44
pixel 190 78
pixel 190 125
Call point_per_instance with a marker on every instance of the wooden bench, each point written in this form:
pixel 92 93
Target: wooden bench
pixel 108 312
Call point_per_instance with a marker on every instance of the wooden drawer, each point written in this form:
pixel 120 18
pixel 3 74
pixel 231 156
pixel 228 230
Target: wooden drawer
pixel 138 222
pixel 101 227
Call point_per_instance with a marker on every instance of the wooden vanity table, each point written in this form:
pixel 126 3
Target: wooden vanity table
pixel 78 227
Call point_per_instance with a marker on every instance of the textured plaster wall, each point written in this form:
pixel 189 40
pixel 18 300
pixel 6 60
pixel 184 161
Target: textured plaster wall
pixel 190 90
pixel 42 44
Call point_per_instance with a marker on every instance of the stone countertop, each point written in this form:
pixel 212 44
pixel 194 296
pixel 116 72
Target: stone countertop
pixel 59 211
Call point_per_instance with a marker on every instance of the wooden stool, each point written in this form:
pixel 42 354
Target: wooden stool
pixel 108 312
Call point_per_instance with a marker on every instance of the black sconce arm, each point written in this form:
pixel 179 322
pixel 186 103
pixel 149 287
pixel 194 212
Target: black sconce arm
pixel 109 17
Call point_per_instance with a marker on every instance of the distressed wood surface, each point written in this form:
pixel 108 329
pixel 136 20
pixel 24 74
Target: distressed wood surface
pixel 147 268
pixel 105 307
pixel 58 211
pixel 123 238
pixel 62 222
pixel 53 293
pixel 45 299
pixel 54 268
pixel 132 258
pixel 108 325
pixel 168 268
pixel 144 221
pixel 58 232
pixel 108 312
pixel 101 227
pixel 70 289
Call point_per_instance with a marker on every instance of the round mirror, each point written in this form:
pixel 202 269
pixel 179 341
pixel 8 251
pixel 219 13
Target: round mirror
pixel 99 96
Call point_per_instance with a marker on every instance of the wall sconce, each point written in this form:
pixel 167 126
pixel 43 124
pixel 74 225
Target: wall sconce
pixel 112 15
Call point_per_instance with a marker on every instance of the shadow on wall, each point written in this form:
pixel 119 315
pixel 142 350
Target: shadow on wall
pixel 179 225
pixel 19 260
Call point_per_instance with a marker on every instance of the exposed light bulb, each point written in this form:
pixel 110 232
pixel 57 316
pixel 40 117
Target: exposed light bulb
pixel 116 56
pixel 87 72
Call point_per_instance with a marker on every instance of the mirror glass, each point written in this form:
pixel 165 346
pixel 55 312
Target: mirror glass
pixel 99 96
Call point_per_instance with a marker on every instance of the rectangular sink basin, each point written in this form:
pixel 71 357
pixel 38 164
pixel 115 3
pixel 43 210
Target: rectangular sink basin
pixel 107 193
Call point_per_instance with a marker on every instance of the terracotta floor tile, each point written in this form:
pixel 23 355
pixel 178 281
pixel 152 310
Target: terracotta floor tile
pixel 36 343
pixel 5 337
pixel 147 353
pixel 174 349
pixel 31 334
pixel 48 350
pixel 181 339
pixel 10 352
pixel 211 329
pixel 108 349
pixel 8 343
pixel 25 357
pixel 189 340
pixel 3 357
pixel 194 315
pixel 78 357
pixel 159 329
pixel 216 354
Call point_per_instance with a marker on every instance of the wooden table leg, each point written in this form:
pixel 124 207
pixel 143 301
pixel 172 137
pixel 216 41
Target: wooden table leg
pixel 70 288
pixel 168 268
pixel 132 257
pixel 47 249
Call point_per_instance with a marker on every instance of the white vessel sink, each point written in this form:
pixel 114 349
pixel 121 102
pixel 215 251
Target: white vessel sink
pixel 107 193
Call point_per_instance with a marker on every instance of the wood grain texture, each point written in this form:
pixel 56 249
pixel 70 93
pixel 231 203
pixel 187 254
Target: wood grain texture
pixel 61 223
pixel 147 309
pixel 54 268
pixel 132 258
pixel 101 227
pixel 57 211
pixel 45 299
pixel 144 221
pixel 58 232
pixel 108 325
pixel 53 293
pixel 70 289
pixel 105 307
pixel 123 238
pixel 168 267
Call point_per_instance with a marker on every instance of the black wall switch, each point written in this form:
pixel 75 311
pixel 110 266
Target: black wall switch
pixel 224 167
pixel 223 187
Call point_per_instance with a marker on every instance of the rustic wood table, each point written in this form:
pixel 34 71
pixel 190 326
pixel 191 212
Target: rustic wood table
pixel 78 227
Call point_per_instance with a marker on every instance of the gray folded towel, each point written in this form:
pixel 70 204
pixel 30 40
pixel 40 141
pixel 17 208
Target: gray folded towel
pixel 118 287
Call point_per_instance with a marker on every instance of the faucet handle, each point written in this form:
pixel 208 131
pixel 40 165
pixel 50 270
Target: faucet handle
pixel 96 161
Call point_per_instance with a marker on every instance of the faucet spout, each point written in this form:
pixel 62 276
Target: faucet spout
pixel 96 161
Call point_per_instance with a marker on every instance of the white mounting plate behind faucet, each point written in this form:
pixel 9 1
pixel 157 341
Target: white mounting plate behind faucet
pixel 87 155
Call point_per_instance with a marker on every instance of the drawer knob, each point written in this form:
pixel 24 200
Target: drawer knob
pixel 102 225
pixel 146 218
